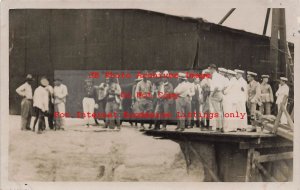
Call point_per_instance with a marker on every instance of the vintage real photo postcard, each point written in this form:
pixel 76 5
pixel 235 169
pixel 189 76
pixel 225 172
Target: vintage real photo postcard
pixel 100 92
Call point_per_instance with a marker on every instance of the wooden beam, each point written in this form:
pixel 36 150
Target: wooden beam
pixel 274 157
pixel 249 164
pixel 274 41
pixel 289 119
pixel 281 132
pixel 266 21
pixel 226 16
pixel 265 172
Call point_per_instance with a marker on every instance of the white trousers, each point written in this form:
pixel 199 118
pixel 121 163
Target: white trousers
pixel 241 108
pixel 88 107
pixel 230 123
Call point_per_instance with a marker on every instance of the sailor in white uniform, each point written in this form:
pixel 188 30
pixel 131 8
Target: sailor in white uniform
pixel 282 91
pixel 242 98
pixel 230 102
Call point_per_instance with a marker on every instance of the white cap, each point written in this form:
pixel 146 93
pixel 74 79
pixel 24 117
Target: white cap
pixel 283 79
pixel 239 71
pixel 139 78
pixel 231 72
pixel 220 69
pixel 251 73
pixel 265 76
pixel 165 72
pixel 205 71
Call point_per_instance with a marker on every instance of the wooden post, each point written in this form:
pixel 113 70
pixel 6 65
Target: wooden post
pixel 249 164
pixel 274 41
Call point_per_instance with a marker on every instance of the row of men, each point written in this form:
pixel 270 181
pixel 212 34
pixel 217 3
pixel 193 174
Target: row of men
pixel 45 101
pixel 226 91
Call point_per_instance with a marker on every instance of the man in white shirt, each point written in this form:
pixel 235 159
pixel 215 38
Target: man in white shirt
pixel 282 91
pixel 183 91
pixel 230 102
pixel 25 91
pixel 205 106
pixel 60 94
pixel 216 97
pixel 242 98
pixel 41 104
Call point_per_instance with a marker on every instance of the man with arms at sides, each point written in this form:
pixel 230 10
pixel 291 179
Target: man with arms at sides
pixel 242 98
pixel 25 91
pixel 60 93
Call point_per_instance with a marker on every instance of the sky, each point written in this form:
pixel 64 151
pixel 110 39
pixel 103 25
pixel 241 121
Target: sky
pixel 250 19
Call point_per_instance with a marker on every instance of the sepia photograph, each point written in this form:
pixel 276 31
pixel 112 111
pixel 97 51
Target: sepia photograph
pixel 150 95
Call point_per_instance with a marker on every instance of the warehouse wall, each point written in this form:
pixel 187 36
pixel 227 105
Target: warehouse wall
pixel 43 41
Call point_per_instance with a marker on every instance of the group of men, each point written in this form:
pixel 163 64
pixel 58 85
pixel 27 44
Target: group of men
pixel 44 102
pixel 221 92
pixel 225 93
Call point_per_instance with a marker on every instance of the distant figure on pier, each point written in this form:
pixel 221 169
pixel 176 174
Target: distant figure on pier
pixel 282 91
pixel 266 96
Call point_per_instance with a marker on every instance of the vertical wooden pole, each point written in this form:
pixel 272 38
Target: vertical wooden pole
pixel 274 41
pixel 249 164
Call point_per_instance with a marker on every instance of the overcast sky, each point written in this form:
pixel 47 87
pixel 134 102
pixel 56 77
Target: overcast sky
pixel 249 19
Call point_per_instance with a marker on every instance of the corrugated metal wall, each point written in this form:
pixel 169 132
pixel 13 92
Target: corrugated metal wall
pixel 46 40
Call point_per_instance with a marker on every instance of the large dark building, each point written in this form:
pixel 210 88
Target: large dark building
pixel 42 41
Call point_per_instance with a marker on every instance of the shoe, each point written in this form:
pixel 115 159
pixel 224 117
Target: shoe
pixel 177 128
pixel 181 129
pixel 163 129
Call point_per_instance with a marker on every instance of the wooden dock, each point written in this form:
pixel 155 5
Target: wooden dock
pixel 233 156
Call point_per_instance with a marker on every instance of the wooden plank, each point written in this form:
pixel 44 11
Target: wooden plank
pixel 269 144
pixel 265 172
pixel 249 164
pixel 281 132
pixel 289 119
pixel 212 174
pixel 274 157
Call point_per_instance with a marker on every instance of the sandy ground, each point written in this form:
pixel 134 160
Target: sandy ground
pixel 91 154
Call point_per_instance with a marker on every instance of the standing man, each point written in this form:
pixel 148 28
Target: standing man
pixel 254 94
pixel 164 102
pixel 144 96
pixel 113 104
pixel 266 96
pixel 60 93
pixel 50 114
pixel 41 104
pixel 205 107
pixel 183 102
pixel 25 91
pixel 101 99
pixel 242 98
pixel 282 91
pixel 191 94
pixel 196 101
pixel 230 102
pixel 88 102
pixel 216 97
pixel 134 103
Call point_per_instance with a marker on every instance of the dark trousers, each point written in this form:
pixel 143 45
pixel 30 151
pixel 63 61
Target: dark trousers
pixel 195 109
pixel 40 117
pixel 51 115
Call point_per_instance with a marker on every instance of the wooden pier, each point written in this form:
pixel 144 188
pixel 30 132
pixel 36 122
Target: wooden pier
pixel 233 156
